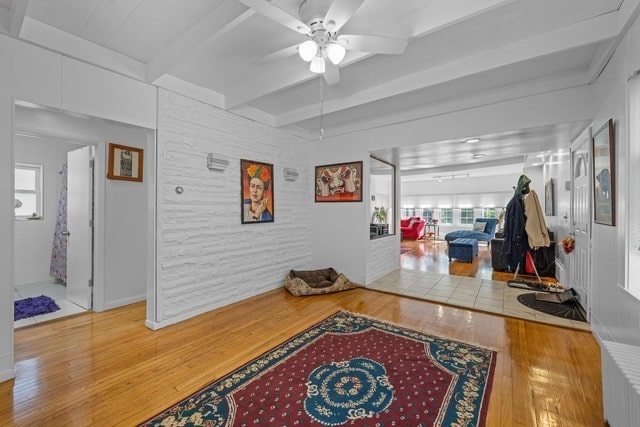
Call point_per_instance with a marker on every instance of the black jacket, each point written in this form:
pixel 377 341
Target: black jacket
pixel 516 241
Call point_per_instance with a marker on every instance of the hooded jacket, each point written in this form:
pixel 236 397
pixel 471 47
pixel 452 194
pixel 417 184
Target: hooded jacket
pixel 516 242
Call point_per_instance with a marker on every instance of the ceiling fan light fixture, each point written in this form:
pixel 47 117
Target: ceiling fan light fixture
pixel 336 53
pixel 317 65
pixel 308 50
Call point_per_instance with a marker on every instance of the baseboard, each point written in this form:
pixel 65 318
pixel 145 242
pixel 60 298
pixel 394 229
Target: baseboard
pixel 155 325
pixel 124 301
pixel 7 375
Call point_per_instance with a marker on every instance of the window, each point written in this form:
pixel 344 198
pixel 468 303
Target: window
pixel 446 216
pixel 489 213
pixel 407 212
pixel 633 224
pixel 466 216
pixel 427 214
pixel 28 191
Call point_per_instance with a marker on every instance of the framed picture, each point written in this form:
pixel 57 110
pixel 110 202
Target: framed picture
pixel 125 163
pixel 256 182
pixel 604 189
pixel 549 208
pixel 339 183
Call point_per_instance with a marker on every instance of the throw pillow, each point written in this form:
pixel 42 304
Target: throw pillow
pixel 412 223
pixel 479 226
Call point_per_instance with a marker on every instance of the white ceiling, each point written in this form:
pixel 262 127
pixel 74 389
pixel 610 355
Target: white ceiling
pixel 460 49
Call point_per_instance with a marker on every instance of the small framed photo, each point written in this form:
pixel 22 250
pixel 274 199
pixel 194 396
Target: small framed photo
pixel 340 182
pixel 256 182
pixel 125 163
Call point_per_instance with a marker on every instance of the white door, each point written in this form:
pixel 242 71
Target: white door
pixel 580 226
pixel 79 226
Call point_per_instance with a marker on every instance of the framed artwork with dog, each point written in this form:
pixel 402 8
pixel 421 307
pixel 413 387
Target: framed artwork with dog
pixel 341 182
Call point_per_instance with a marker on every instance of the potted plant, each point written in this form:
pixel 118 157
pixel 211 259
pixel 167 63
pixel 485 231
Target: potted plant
pixel 380 215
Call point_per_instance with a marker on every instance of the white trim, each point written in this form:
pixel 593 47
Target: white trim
pixel 124 301
pixel 630 292
pixel 99 221
pixel 7 375
pixel 152 224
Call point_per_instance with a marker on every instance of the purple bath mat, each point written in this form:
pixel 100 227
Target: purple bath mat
pixel 35 306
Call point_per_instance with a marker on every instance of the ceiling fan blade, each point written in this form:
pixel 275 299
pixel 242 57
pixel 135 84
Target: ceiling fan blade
pixel 340 12
pixel 279 54
pixel 331 73
pixel 372 44
pixel 278 15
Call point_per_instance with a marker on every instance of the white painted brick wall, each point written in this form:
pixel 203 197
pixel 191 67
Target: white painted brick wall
pixel 206 257
pixel 380 261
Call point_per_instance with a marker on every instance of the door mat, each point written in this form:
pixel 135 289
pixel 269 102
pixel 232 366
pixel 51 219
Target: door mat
pixel 570 309
pixel 35 306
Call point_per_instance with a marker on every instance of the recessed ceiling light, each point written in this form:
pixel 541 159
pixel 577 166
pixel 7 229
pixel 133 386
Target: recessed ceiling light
pixel 472 140
pixel 479 156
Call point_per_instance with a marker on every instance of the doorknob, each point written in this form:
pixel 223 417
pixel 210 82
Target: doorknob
pixel 65 233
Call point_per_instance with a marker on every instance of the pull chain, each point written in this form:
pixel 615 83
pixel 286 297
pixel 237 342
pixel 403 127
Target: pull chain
pixel 321 107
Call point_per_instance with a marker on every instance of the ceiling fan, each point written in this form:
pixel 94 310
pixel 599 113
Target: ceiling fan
pixel 320 21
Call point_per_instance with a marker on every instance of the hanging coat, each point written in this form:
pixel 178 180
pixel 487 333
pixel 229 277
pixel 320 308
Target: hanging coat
pixel 535 225
pixel 515 236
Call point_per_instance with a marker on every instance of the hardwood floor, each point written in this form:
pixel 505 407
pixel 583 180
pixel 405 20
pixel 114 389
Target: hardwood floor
pixel 431 256
pixel 108 369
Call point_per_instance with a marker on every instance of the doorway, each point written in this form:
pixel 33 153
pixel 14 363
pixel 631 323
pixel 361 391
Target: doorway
pixel 122 211
pixel 580 228
pixel 53 195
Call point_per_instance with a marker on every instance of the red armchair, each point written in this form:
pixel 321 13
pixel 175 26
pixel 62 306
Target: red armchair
pixel 412 228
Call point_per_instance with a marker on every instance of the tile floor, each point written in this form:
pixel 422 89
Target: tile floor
pixel 55 290
pixel 470 292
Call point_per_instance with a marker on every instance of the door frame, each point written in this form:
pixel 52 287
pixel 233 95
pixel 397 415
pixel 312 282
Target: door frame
pixel 98 196
pixel 584 138
pixel 99 220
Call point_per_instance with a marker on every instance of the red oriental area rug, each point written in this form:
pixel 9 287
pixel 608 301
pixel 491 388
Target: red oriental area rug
pixel 349 369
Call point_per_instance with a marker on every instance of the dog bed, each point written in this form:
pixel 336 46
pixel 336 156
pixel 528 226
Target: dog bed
pixel 316 282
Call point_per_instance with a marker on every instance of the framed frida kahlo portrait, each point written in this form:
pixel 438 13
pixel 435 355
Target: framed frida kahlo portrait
pixel 256 182
pixel 125 163
pixel 604 189
pixel 340 182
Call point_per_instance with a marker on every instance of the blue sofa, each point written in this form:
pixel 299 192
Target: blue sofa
pixel 486 236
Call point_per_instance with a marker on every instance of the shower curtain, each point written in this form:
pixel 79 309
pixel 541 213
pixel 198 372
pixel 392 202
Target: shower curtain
pixel 58 268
